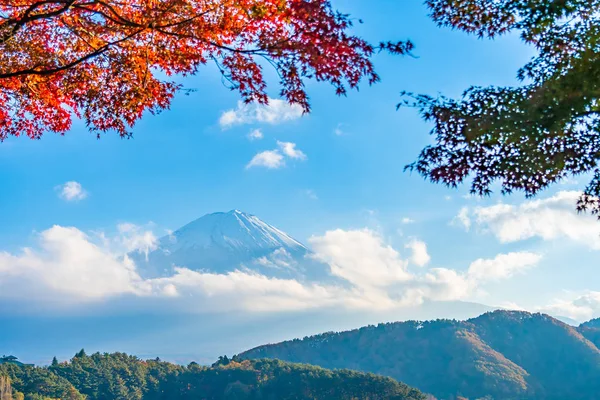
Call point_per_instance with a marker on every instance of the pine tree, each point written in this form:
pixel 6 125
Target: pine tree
pixel 81 354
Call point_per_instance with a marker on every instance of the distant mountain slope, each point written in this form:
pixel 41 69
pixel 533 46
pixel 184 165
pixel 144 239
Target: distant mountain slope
pixel 119 377
pixel 445 358
pixel 593 323
pixel 504 354
pixel 560 361
pixel 591 331
pixel 222 242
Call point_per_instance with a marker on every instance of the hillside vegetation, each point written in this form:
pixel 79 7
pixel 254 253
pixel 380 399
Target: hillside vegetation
pixel 502 355
pixel 122 377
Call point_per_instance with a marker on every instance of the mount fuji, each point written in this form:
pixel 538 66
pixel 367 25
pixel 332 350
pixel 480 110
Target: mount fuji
pixel 226 241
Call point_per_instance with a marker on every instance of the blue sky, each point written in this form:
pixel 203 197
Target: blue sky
pixel 183 163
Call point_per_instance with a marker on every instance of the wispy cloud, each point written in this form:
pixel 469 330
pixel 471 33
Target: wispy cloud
pixel 580 307
pixel 463 219
pixel 271 159
pixel 551 218
pixel 135 238
pixel 276 112
pixel 420 257
pixel 71 191
pixel 311 194
pixel 275 159
pixel 339 131
pixel 290 150
pixel 504 266
pixel 255 134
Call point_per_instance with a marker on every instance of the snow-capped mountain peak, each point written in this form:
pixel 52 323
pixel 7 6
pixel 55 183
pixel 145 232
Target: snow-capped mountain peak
pixel 225 241
pixel 234 229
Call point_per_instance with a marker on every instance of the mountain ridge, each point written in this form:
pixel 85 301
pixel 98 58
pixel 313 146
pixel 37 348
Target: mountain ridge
pixel 221 242
pixel 503 354
pixel 269 236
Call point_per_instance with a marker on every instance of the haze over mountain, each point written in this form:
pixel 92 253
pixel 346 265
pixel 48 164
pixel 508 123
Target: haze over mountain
pixel 503 354
pixel 217 243
pixel 506 355
pixel 225 241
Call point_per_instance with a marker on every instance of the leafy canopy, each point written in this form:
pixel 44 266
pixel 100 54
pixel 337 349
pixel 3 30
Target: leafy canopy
pixel 119 376
pixel 526 137
pixel 109 61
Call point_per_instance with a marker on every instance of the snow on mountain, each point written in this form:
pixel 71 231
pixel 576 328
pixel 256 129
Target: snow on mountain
pixel 223 242
pixel 234 230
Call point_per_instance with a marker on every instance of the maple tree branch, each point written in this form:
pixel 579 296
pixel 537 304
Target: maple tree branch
pixel 83 39
pixel 255 51
pixel 50 71
pixel 28 18
pixel 120 20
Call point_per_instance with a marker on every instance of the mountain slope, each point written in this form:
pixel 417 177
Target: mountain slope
pixel 593 323
pixel 504 354
pixel 591 331
pixel 119 376
pixel 445 358
pixel 222 242
pixel 560 361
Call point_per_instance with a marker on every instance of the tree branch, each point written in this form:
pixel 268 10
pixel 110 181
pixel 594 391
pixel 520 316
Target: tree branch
pixel 53 70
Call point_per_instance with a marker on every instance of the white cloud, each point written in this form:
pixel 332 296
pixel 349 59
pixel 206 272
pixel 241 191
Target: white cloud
pixel 420 257
pixel 338 131
pixel 582 307
pixel 67 262
pixel 71 267
pixel 278 259
pixel 135 238
pixel 549 219
pixel 290 150
pixel 443 284
pixel 276 112
pixel 509 305
pixel 463 219
pixel 250 291
pixel 504 266
pixel 407 221
pixel 377 272
pixel 71 191
pixel 274 159
pixel 255 134
pixel 446 284
pixel 271 159
pixel 360 257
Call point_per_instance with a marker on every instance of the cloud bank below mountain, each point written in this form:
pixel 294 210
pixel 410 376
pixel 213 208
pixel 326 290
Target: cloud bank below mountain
pixel 70 268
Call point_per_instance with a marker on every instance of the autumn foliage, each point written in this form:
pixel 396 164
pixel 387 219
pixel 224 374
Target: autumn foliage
pixel 109 61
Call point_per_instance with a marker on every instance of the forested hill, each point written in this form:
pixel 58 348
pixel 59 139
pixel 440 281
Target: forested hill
pixel 594 323
pixel 503 354
pixel 122 377
pixel 591 331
